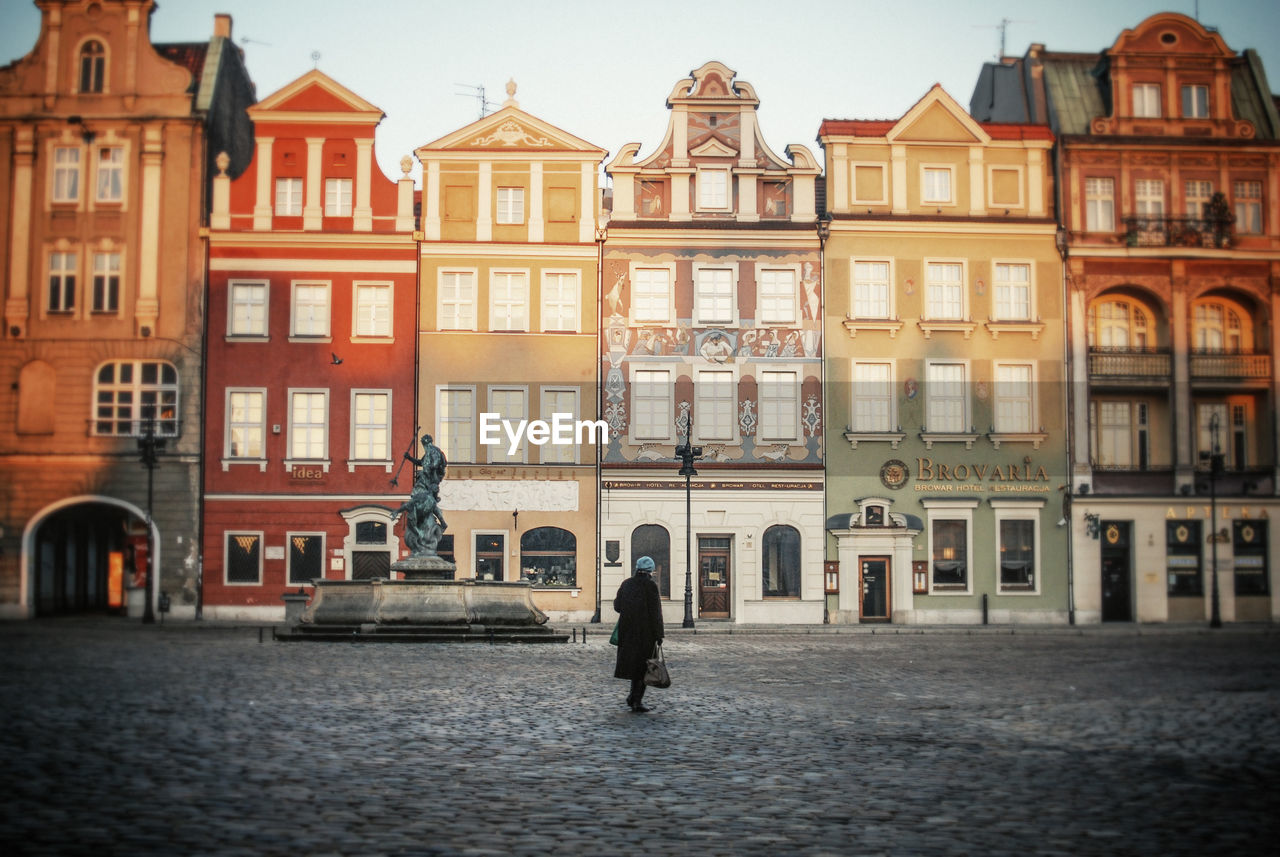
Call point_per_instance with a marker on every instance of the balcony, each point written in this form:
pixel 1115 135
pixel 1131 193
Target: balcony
pixel 1129 366
pixel 1213 232
pixel 1222 366
pixel 1132 480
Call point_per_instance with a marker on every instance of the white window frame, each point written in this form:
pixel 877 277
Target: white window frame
pixel 702 318
pixel 62 264
pixel 652 317
pixel 1100 204
pixel 378 332
pixel 321 333
pixel 1146 100
pixel 70 168
pixel 445 434
pixel 930 309
pixel 232 331
pixel 509 210
pixel 112 169
pixel 355 454
pixel 883 167
pixel 165 396
pixel 289 190
pixel 550 453
pixel 497 453
pixel 855 283
pixel 709 193
pixel 950 510
pixel 337 197
pixel 1020 171
pixel 1018 510
pixel 888 397
pixel 1149 198
pixel 457 302
pixel 509 300
pixel 997 285
pixel 660 432
pixel 1196 194
pixel 288 555
pixel 1029 400
pixel 1113 431
pixel 931 396
pixel 702 402
pixel 1247 206
pixel 108 274
pixel 229 425
pixel 226 556
pixel 293 427
pixel 777 405
pixel 1199 103
pixel 791 295
pixel 554 302
pixel 930 197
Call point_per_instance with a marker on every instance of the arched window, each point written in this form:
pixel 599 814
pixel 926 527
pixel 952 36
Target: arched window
pixel 781 564
pixel 371 542
pixel 549 557
pixel 1216 326
pixel 129 394
pixel 1119 324
pixel 653 541
pixel 93 66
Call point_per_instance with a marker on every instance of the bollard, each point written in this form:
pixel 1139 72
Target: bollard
pixel 259 635
pixel 584 635
pixel 984 608
pixel 575 635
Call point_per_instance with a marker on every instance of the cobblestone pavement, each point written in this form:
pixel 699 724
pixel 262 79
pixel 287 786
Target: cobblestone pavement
pixel 198 739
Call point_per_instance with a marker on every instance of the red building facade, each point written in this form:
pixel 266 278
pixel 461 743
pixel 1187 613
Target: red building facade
pixel 309 392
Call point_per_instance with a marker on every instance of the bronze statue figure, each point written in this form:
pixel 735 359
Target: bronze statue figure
pixel 424 524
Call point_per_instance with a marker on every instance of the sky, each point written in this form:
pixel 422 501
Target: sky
pixel 602 69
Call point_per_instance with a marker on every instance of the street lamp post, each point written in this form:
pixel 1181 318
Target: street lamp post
pixel 1215 470
pixel 150 447
pixel 688 453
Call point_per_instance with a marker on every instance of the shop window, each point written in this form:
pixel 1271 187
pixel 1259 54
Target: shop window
pixel 1017 554
pixel 490 555
pixel 1182 540
pixel 1249 548
pixel 653 541
pixel 243 558
pixel 781 547
pixel 549 557
pixel 949 541
pixel 306 557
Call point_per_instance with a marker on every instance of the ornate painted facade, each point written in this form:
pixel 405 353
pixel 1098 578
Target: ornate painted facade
pixel 711 333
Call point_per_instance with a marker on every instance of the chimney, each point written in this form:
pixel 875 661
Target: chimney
pixel 222 25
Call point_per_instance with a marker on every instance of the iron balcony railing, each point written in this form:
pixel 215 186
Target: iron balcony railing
pixel 1179 231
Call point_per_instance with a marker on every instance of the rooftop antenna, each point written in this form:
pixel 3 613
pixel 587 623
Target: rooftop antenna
pixel 477 92
pixel 315 59
pixel 1003 27
pixel 245 40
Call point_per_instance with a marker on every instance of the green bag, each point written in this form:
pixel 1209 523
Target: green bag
pixel 613 638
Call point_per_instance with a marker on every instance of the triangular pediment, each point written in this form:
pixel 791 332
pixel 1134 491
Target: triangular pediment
pixel 714 148
pixel 313 93
pixel 511 129
pixel 938 118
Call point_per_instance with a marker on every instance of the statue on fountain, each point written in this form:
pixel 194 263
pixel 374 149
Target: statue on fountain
pixel 424 524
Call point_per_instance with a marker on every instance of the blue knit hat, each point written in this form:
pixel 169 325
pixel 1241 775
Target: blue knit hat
pixel 644 564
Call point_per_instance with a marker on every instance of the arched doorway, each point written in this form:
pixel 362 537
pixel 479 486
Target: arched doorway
pixel 72 552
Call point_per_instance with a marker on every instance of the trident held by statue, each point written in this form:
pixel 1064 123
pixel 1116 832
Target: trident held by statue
pixel 408 456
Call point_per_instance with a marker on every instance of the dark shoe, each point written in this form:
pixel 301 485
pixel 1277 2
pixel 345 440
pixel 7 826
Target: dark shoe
pixel 629 701
pixel 639 708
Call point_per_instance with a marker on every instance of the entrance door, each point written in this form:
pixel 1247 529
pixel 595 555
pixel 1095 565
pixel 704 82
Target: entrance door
pixel 1117 604
pixel 874 571
pixel 73 557
pixel 713 577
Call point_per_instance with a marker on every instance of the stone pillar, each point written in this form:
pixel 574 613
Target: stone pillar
pixel 313 194
pixel 1082 472
pixel 977 183
pixel 898 158
pixel 404 197
pixel 16 305
pixel 147 308
pixel 537 224
pixel 361 210
pixel 1181 406
pixel 839 177
pixel 431 200
pixel 587 217
pixel 484 203
pixel 262 204
pixel 1035 183
pixel 220 218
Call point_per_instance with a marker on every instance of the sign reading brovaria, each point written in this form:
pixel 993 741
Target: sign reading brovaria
pixel 941 477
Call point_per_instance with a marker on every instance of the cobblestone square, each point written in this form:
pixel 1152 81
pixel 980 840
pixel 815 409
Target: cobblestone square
pixel 199 739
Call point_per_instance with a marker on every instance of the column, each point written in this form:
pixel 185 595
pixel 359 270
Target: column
pixel 147 308
pixel 431 192
pixel 313 194
pixel 262 202
pixel 220 217
pixel 977 183
pixel 537 224
pixel 1081 471
pixel 1181 406
pixel 898 158
pixel 484 205
pixel 1275 385
pixel 16 308
pixel 361 210
pixel 1035 183
pixel 587 217
pixel 839 177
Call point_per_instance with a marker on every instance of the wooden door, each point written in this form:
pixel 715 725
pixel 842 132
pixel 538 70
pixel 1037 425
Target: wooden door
pixel 713 577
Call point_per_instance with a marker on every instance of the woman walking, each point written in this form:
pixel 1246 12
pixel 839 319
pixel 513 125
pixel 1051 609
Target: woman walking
pixel 639 629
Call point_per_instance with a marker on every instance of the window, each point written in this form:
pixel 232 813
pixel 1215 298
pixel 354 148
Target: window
pixel 949 544
pixel 306 557
pixel 1195 102
pixel 1014 407
pixel 130 394
pixel 1013 292
pixel 310 309
pixel 62 282
pixel 713 189
pixel 651 404
pixel 781 550
pixel 455 432
pixel 1182 557
pixel 715 406
pixel 559 401
pixel 246 424
pixel 370 425
pixel 248 313
pixel 1249 543
pixel 1017 554
pixel 549 557
pixel 777 297
pixel 289 197
pixel 871 289
pixel 337 197
pixel 93 66
pixel 713 300
pixel 1216 328
pixel 509 403
pixel 370 542
pixel 106 282
pixel 1114 447
pixel 511 205
pixel 944 290
pixel 373 310
pixel 1117 324
pixel 1146 100
pixel 1206 436
pixel 653 541
pixel 947 399
pixel 111 174
pixel 508 298
pixel 244 558
pixel 936 185
pixel 1248 205
pixel 490 552
pixel 308 425
pixel 872 397
pixel 1148 197
pixel 560 300
pixel 651 295
pixel 66 174
pixel 779 406
pixel 1197 195
pixel 457 300
pixel 1100 205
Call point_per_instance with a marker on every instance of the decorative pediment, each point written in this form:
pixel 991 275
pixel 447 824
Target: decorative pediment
pixel 713 82
pixel 1170 33
pixel 714 148
pixel 938 118
pixel 511 129
pixel 314 93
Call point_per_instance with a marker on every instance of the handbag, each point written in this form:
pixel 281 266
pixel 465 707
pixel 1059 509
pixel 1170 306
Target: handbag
pixel 613 638
pixel 655 669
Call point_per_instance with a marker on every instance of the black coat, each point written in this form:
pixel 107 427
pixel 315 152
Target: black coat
pixel 639 624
